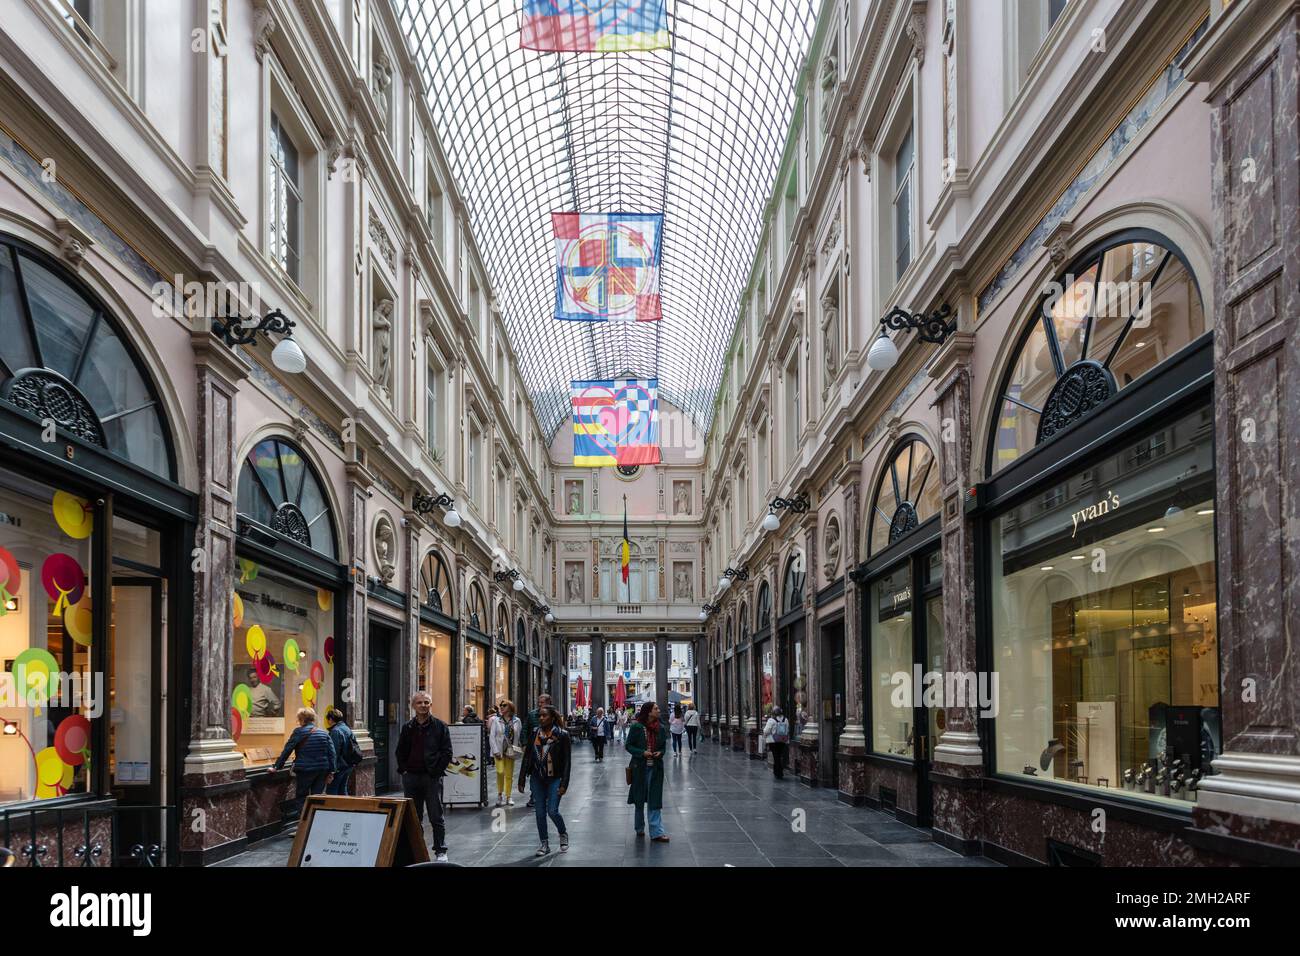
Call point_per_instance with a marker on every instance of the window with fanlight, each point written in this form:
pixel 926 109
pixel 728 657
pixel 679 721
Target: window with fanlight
pixel 792 590
pixel 279 489
pixel 1123 307
pixel 763 615
pixel 906 495
pixel 435 585
pixel 477 608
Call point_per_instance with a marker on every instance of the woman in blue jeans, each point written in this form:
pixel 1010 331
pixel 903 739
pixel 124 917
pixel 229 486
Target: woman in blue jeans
pixel 546 768
pixel 646 743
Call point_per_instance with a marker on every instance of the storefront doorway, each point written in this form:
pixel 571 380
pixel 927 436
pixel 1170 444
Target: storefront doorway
pixel 385 710
pixel 834 706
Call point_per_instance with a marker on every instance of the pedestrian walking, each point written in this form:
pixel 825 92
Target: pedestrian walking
pixel 506 739
pixel 621 724
pixel 531 721
pixel 645 743
pixel 314 759
pixel 423 753
pixel 776 735
pixel 677 727
pixel 692 721
pixel 546 771
pixel 346 752
pixel 598 733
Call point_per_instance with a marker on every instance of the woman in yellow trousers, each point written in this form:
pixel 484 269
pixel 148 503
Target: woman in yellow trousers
pixel 504 738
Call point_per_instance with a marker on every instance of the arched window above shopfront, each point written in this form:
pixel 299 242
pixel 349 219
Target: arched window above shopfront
pixel 1123 307
pixel 63 357
pixel 764 613
pixel 521 636
pixel 435 584
pixel 503 624
pixel 906 494
pixel 742 624
pixel 477 607
pixel 279 489
pixel 792 588
pixel 537 643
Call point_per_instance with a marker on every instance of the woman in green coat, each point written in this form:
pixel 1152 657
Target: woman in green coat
pixel 645 742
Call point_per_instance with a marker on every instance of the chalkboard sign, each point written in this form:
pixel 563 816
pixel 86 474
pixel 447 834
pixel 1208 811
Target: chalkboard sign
pixel 358 831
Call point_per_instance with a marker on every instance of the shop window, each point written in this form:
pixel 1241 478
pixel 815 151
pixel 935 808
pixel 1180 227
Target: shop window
pixel 1120 310
pixel 890 617
pixel 501 679
pixel 284 657
pixel 906 495
pixel 435 585
pixel 279 489
pixel 1105 624
pixel 63 358
pixel 50 693
pixel 473 672
pixel 433 670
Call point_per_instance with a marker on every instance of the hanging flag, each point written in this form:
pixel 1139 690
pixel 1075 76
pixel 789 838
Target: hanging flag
pixel 607 266
pixel 584 26
pixel 626 560
pixel 615 422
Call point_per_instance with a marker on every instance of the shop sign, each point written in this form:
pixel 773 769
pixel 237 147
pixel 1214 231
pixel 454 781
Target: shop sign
pixel 1092 512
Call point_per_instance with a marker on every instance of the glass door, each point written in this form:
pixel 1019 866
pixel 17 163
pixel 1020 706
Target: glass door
pixel 381 707
pixel 930 654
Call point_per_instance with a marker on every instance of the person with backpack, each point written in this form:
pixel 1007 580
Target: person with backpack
pixel 546 770
pixel 776 735
pixel 599 732
pixel 314 759
pixel 506 737
pixel 345 748
pixel 677 726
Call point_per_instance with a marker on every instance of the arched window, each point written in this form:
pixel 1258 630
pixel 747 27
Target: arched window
pixel 503 622
pixel 521 636
pixel 435 584
pixel 1122 308
pixel 278 488
pixel 906 495
pixel 731 632
pixel 63 358
pixel 764 617
pixel 537 644
pixel 477 608
pixel 795 573
pixel 742 624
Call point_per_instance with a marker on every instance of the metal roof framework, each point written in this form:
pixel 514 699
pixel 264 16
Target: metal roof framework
pixel 695 131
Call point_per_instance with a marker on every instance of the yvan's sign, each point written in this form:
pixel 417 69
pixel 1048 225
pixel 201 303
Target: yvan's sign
pixel 1093 512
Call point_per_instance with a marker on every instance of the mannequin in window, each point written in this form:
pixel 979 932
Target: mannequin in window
pixel 383 331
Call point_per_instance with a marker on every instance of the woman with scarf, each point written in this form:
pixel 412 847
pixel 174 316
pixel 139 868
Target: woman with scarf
pixel 546 768
pixel 646 742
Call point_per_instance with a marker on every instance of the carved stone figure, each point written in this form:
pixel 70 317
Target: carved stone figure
pixel 832 549
pixel 383 340
pixel 682 589
pixel 830 71
pixel 830 341
pixel 573 491
pixel 573 584
pixel 381 79
pixel 385 548
pixel 681 497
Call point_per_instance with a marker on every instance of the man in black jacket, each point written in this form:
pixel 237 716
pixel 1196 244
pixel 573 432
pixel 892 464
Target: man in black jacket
pixel 423 754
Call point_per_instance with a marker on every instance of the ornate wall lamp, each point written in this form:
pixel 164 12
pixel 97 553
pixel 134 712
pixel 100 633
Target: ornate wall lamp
pixel 709 609
pixel 545 612
pixel 798 505
pixel 422 504
pixel 236 330
pixel 724 582
pixel 511 575
pixel 934 327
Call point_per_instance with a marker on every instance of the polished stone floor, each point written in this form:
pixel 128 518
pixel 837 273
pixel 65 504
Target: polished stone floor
pixel 720 809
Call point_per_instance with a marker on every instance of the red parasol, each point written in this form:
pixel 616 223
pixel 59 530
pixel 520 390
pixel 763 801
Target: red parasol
pixel 620 693
pixel 580 696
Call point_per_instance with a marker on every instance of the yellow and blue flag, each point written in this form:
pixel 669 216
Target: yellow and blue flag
pixel 594 26
pixel 615 422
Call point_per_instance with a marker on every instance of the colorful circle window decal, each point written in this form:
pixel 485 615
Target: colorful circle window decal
pixel 74 516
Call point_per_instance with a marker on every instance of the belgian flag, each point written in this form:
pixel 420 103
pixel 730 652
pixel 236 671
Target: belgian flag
pixel 626 559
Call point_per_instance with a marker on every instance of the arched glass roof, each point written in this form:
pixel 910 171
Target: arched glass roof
pixel 695 131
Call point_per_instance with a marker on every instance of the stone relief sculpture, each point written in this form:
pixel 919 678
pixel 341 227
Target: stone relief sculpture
pixel 681 497
pixel 381 79
pixel 573 497
pixel 385 548
pixel 682 590
pixel 573 582
pixel 832 548
pixel 382 323
pixel 830 340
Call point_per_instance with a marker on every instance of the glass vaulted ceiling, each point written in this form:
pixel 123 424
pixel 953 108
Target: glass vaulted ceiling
pixel 695 132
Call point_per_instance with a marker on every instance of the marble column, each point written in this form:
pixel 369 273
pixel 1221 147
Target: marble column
pixel 597 672
pixel 356 640
pixel 852 749
pixel 661 675
pixel 814 742
pixel 958 760
pixel 1249 66
pixel 213 788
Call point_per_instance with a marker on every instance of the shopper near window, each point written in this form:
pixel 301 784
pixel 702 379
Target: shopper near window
pixel 776 736
pixel 346 751
pixel 314 759
pixel 621 725
pixel 531 722
pixel 546 771
pixel 645 743
pixel 677 726
pixel 423 755
pixel 692 720
pixel 506 739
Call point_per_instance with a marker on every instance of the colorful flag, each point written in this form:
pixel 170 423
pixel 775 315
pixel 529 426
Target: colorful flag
pixel 626 561
pixel 615 422
pixel 594 26
pixel 607 266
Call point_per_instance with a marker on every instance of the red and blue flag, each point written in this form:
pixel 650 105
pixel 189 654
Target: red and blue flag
pixel 594 26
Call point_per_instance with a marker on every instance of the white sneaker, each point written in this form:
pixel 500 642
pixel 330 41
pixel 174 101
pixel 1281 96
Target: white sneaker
pixel 440 857
pixel 511 801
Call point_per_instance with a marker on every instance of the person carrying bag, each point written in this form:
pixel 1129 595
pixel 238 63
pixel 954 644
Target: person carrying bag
pixel 776 735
